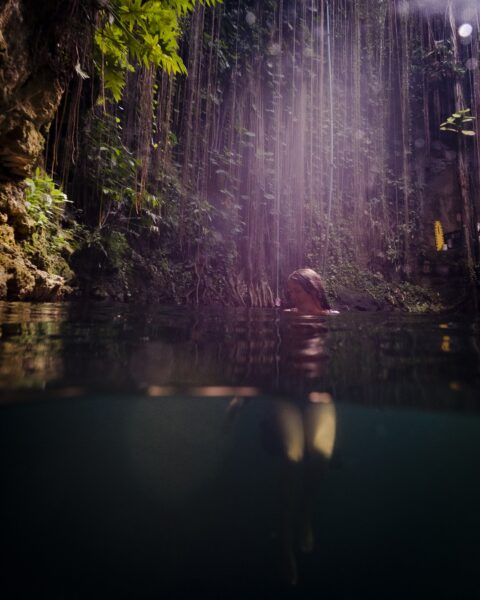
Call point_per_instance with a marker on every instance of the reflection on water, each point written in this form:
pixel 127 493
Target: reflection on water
pixel 403 360
pixel 246 453
pixel 30 344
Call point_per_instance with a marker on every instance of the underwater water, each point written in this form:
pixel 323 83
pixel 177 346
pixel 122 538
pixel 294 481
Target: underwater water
pixel 155 451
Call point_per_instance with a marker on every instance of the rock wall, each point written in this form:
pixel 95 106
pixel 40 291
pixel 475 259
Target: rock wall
pixel 39 41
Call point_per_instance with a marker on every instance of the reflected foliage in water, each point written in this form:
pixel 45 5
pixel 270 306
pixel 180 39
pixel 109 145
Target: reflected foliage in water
pixel 31 344
pixel 366 358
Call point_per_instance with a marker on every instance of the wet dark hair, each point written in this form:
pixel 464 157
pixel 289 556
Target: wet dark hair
pixel 311 282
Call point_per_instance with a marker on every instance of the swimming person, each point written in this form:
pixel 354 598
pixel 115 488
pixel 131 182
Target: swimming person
pixel 303 426
pixel 307 293
pixel 300 423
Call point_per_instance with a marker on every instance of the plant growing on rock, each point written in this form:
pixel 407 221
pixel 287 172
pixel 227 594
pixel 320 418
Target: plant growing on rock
pixel 50 242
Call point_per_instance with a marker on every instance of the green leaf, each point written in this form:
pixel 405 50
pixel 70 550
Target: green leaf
pixel 145 31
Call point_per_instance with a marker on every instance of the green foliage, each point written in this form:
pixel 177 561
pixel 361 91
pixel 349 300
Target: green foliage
pixel 141 32
pixel 458 122
pixel 403 295
pixel 439 64
pixel 50 241
pixel 344 272
pixel 116 248
pixel 112 245
pixel 112 173
pixel 44 201
pixel 111 163
pixel 196 235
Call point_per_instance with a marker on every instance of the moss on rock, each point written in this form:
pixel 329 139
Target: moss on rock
pixel 20 279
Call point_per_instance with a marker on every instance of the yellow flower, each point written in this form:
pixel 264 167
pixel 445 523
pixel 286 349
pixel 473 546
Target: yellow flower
pixel 439 239
pixel 445 345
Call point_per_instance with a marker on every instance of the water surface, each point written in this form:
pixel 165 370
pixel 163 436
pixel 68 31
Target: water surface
pixel 152 451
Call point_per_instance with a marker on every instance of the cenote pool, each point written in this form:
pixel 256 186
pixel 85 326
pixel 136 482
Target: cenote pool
pixel 155 452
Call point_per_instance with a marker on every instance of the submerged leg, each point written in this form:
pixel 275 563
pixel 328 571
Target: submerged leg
pixel 320 431
pixel 288 425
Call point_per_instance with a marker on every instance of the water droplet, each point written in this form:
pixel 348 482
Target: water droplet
pixel 250 18
pixel 471 64
pixel 465 30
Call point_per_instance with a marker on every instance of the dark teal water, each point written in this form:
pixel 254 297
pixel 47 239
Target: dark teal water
pixel 166 452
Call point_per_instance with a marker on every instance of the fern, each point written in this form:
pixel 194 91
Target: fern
pixel 140 32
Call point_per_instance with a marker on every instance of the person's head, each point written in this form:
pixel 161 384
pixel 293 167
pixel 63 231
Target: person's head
pixel 306 291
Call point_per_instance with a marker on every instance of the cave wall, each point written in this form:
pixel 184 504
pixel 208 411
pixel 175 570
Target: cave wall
pixel 39 45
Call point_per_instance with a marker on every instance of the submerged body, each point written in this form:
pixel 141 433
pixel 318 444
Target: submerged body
pixel 303 426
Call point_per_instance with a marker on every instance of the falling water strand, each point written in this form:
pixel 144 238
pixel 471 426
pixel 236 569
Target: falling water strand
pixel 330 93
pixel 278 152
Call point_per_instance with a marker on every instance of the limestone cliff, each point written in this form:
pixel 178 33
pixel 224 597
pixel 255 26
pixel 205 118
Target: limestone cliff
pixel 39 41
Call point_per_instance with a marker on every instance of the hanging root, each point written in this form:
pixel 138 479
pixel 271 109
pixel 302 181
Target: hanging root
pixel 261 294
pixel 237 289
